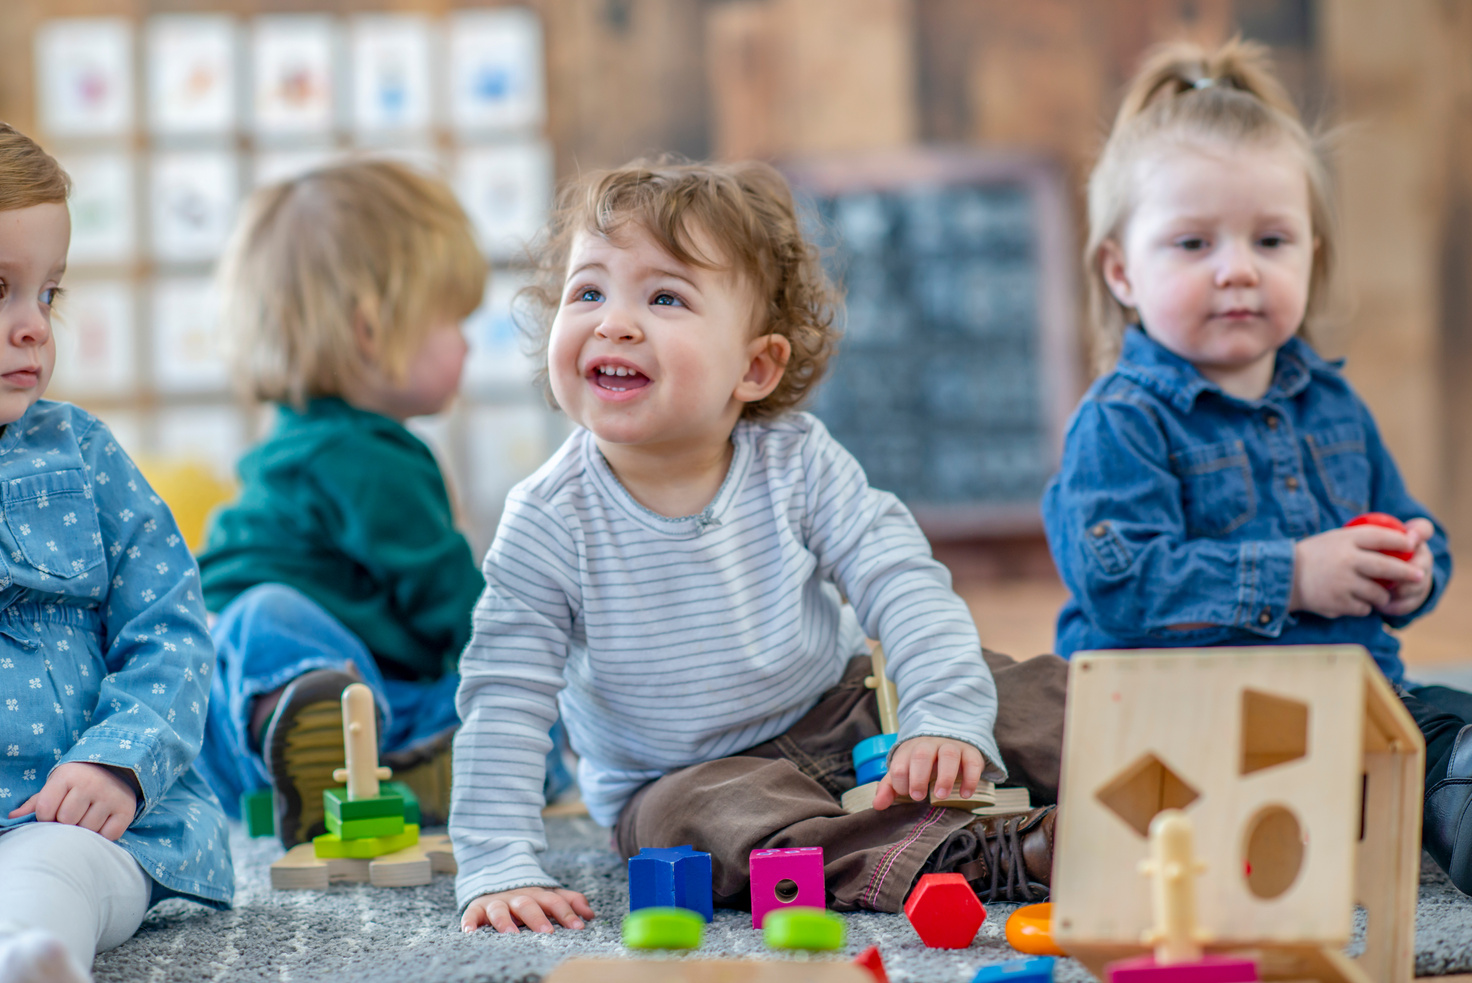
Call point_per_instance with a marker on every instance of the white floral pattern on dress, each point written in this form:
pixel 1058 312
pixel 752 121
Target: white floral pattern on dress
pixel 99 590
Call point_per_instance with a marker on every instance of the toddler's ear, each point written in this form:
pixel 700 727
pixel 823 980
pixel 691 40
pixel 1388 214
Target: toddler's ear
pixel 366 334
pixel 766 361
pixel 1116 277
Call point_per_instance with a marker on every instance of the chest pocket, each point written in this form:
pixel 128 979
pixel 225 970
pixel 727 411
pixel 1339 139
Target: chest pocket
pixel 1216 488
pixel 1339 456
pixel 54 522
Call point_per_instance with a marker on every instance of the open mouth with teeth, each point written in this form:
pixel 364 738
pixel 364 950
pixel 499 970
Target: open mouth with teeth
pixel 618 378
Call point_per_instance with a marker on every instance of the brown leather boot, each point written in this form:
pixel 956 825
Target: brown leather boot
pixel 1004 858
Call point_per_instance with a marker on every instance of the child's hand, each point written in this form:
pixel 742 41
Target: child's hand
pixel 910 769
pixel 528 906
pixel 1336 573
pixel 91 796
pixel 1410 595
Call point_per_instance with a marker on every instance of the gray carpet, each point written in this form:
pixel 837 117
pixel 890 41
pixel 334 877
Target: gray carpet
pixel 363 934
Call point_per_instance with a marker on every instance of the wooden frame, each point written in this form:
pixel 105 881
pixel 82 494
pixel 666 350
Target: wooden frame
pixel 1302 774
pixel 1056 260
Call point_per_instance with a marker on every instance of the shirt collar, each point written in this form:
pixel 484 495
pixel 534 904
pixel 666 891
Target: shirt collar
pixel 1178 382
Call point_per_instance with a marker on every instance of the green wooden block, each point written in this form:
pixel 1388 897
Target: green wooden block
pixel 411 801
pixel 663 928
pixel 331 847
pixel 338 806
pixel 258 812
pixel 803 928
pixel 362 829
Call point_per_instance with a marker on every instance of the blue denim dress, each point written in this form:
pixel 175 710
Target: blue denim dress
pixel 1178 504
pixel 104 654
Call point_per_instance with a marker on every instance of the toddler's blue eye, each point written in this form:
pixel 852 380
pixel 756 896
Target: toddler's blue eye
pixel 590 295
pixel 667 299
pixel 1273 242
pixel 49 295
pixel 1191 244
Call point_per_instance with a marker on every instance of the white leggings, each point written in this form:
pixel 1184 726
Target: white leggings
pixel 73 883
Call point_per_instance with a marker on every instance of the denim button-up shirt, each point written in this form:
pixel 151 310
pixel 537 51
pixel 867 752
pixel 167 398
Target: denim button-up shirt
pixel 104 654
pixel 1177 504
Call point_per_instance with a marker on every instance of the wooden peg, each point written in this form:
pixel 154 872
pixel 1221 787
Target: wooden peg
pixel 889 698
pixel 360 744
pixel 1172 869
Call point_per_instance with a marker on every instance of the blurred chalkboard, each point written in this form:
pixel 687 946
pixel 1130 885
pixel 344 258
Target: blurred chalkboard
pixel 958 364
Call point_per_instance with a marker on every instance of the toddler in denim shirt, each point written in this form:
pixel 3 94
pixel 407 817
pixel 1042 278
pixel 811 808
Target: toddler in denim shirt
pixel 105 661
pixel 1208 475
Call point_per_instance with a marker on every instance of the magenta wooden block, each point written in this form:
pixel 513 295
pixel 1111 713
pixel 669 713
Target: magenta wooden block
pixel 786 879
pixel 1208 969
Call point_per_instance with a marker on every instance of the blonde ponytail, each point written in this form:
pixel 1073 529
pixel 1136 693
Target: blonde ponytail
pixel 1183 93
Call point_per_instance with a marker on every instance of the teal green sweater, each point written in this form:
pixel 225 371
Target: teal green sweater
pixel 350 508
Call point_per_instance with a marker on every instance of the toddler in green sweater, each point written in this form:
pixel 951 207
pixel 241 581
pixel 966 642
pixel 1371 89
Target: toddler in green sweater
pixel 343 290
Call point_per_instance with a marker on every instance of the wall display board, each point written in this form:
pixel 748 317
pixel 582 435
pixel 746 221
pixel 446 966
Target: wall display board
pixel 958 366
pixel 165 123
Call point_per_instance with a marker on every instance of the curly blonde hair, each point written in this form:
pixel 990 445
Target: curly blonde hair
pixel 1182 95
pixel 747 212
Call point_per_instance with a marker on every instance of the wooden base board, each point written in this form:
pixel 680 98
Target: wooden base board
pixel 1275 962
pixel 302 870
pixel 579 970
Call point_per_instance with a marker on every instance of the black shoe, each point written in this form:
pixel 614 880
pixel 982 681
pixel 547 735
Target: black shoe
pixel 1446 827
pixel 1004 858
pixel 425 768
pixel 302 746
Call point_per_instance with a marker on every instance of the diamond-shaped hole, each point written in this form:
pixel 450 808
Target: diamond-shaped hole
pixel 1144 789
pixel 1274 730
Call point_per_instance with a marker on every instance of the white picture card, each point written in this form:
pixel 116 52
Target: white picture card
pixel 294 75
pixel 96 351
pixel 507 191
pixel 103 208
pixel 84 76
pixel 392 77
pixel 188 356
pixel 496 67
pixel 280 165
pixel 212 437
pixel 498 364
pixel 194 195
pixel 192 70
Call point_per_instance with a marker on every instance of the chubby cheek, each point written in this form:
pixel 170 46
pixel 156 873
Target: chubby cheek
pixel 562 364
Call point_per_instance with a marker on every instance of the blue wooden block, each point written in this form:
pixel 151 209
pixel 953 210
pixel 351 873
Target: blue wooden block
pixel 871 771
pixel 1038 969
pixel 673 877
pixel 871 748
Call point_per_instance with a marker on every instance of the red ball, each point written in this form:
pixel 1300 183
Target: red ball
pixel 1384 521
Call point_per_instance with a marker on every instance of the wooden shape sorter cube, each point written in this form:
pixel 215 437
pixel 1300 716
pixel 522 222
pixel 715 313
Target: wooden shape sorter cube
pixel 1302 775
pixel 786 879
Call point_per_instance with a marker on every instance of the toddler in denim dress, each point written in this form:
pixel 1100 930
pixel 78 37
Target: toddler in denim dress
pixel 105 661
pixel 1209 473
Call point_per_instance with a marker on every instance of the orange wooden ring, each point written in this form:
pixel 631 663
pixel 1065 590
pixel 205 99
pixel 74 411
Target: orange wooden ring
pixel 1030 930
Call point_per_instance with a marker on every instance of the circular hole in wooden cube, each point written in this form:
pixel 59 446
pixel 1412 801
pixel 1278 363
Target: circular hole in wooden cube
pixel 786 890
pixel 1274 854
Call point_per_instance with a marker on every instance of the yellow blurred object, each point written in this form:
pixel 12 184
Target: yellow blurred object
pixel 190 489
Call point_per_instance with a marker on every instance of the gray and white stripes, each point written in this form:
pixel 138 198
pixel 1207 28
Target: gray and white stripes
pixel 674 641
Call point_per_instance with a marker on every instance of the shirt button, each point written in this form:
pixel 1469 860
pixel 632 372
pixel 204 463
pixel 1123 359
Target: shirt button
pixel 1099 531
pixel 1272 423
pixel 1265 617
pixel 1292 483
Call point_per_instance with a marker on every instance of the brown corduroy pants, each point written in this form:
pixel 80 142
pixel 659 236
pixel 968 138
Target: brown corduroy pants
pixel 784 793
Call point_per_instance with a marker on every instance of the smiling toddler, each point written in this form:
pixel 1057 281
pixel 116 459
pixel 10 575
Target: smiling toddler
pixel 674 577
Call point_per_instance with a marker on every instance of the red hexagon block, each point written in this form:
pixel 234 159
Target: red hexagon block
pixel 946 913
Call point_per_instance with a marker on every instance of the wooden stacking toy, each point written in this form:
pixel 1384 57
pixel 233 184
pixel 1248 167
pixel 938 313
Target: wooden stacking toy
pixel 373 824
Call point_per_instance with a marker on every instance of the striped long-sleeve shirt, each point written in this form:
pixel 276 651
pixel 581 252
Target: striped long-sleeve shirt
pixel 672 641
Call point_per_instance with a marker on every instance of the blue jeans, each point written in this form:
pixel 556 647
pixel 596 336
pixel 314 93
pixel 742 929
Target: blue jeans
pixel 270 635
